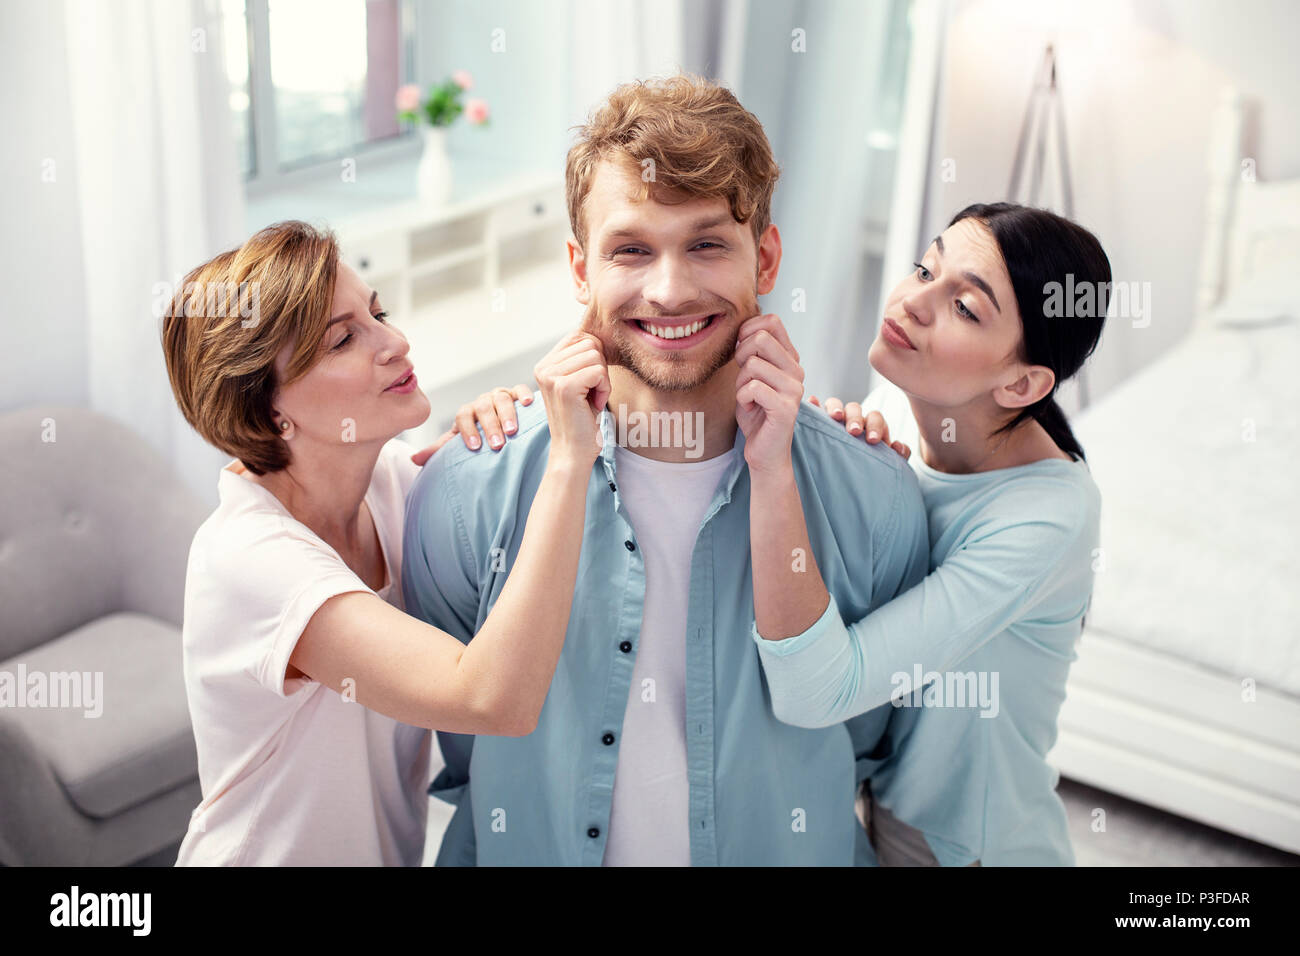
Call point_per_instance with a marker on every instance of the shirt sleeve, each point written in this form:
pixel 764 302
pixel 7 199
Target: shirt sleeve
pixel 833 671
pixel 439 576
pixel 278 582
pixel 440 586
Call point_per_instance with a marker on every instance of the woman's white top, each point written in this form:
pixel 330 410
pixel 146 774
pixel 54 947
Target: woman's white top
pixel 292 772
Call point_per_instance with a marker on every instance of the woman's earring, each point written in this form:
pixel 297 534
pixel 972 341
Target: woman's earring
pixel 284 426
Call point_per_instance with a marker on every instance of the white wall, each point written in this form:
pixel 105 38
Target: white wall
pixel 1139 80
pixel 44 348
pixel 525 84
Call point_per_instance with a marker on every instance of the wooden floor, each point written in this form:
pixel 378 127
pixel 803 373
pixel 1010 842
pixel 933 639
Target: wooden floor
pixel 1139 835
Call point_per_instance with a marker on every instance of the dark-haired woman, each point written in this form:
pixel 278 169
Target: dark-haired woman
pixel 973 339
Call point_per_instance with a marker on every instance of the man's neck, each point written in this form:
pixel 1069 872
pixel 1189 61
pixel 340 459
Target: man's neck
pixel 711 405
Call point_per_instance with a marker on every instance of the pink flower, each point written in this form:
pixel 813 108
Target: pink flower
pixel 462 79
pixel 476 111
pixel 408 98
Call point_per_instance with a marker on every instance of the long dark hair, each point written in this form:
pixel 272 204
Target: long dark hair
pixel 1046 256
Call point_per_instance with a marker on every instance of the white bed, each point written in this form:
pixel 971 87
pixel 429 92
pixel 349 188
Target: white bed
pixel 1186 693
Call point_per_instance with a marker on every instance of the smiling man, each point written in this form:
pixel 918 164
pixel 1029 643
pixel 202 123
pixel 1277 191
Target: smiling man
pixel 657 744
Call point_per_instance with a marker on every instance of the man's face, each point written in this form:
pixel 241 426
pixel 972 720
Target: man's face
pixel 666 285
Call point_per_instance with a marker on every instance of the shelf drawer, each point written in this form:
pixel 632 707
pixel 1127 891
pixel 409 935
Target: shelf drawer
pixel 529 212
pixel 376 255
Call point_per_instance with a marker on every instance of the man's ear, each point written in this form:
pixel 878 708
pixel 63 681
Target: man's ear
pixel 578 270
pixel 1034 382
pixel 769 259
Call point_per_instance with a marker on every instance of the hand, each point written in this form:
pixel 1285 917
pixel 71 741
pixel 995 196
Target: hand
pixel 574 383
pixel 854 422
pixel 492 411
pixel 769 389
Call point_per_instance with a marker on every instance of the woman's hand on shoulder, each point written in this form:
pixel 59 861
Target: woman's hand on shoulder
pixel 493 411
pixel 856 423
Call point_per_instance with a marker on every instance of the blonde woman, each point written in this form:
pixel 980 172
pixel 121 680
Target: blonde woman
pixel 311 692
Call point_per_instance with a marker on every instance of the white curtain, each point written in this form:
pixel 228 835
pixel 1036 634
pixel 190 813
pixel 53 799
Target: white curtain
pixel 158 191
pixel 824 77
pixel 615 42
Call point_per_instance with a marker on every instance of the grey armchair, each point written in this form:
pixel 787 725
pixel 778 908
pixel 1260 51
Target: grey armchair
pixel 95 530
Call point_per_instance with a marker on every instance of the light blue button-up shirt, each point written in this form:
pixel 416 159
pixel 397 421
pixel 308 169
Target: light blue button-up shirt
pixel 761 792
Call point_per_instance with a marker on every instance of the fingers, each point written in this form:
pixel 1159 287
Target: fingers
pixel 582 355
pixel 834 408
pixel 757 392
pixel 877 429
pixel 760 369
pixel 467 426
pixel 770 347
pixel 485 411
pixel 853 419
pixel 578 353
pixel 902 449
pixel 503 402
pixel 770 324
pixel 599 396
pixel 593 379
pixel 812 399
pixel 523 394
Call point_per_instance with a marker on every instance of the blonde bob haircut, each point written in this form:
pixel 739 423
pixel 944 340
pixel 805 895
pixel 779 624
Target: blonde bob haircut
pixel 231 317
pixel 686 138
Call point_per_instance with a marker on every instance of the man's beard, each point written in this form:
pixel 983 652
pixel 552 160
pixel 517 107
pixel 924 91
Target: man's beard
pixel 668 370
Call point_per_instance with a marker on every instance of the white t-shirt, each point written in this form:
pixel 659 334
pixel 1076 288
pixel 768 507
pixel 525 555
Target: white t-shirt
pixel 649 823
pixel 292 772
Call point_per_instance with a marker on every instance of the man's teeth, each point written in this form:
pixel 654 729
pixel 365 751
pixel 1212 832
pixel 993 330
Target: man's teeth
pixel 677 332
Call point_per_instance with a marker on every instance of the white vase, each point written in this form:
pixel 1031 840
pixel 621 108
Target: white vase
pixel 433 176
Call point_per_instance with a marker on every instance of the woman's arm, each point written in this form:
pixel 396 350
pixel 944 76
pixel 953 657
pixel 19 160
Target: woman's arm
pixel 821 672
pixel 497 684
pixel 833 671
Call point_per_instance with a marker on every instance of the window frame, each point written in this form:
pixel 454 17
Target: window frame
pixel 267 176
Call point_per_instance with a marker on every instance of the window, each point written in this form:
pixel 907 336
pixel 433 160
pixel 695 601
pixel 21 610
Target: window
pixel 312 81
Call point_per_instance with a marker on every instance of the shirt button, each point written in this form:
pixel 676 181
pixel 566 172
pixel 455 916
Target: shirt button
pixel 593 832
pixel 612 487
pixel 607 739
pixel 625 647
pixel 629 545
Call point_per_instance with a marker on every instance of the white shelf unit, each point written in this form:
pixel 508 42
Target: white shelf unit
pixel 481 288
